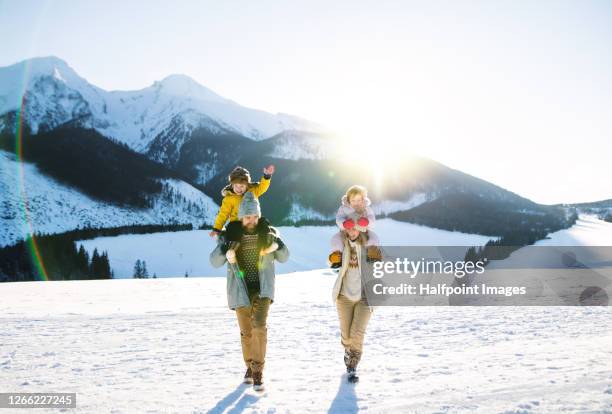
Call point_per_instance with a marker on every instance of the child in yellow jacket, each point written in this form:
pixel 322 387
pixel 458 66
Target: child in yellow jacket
pixel 240 183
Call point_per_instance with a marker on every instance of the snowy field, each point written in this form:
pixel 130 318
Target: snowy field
pixel 174 254
pixel 171 345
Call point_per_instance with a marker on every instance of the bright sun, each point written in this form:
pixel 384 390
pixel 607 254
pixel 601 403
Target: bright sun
pixel 377 149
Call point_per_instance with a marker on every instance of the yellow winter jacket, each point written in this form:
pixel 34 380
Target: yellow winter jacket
pixel 231 201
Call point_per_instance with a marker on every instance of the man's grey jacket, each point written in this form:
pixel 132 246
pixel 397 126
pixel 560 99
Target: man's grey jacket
pixel 237 294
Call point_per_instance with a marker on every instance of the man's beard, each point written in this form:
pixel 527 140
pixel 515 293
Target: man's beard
pixel 250 228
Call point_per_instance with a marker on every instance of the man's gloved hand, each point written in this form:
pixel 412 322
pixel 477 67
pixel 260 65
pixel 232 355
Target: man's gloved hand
pixel 271 249
pixel 363 221
pixel 230 255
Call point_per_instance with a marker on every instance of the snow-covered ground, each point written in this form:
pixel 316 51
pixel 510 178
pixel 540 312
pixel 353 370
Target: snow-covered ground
pixel 174 254
pixel 171 345
pixel 553 273
pixel 588 231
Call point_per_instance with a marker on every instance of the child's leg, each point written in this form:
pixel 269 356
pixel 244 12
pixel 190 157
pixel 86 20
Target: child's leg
pixel 373 239
pixel 336 242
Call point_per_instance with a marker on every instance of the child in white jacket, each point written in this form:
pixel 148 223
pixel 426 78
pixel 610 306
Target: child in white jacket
pixel 355 203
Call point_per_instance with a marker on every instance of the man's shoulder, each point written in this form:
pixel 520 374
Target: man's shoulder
pixel 264 226
pixel 233 231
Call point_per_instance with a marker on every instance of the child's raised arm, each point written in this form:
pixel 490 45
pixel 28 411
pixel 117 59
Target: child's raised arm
pixel 264 183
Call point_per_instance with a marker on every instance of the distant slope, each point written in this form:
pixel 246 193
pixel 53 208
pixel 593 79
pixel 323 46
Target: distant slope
pixel 56 207
pixel 419 190
pixel 588 231
pixel 93 164
pixel 466 212
pixel 173 254
pixel 594 204
pixel 602 208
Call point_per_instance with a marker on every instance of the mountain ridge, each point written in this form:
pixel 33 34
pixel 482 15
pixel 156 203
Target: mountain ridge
pixel 54 93
pixel 192 142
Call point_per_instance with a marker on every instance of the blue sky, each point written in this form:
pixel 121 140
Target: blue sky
pixel 515 92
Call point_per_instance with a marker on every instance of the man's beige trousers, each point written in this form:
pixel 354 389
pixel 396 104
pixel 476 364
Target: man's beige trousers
pixel 254 332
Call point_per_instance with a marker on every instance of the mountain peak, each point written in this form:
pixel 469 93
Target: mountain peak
pixel 183 85
pixel 56 93
pixel 46 65
pixel 178 78
pixel 19 77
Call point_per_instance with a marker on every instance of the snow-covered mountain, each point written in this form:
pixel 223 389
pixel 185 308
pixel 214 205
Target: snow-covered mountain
pixel 53 207
pixel 197 136
pixel 297 145
pixel 55 94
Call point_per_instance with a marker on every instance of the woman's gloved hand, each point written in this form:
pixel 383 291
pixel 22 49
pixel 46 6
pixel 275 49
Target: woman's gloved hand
pixel 374 254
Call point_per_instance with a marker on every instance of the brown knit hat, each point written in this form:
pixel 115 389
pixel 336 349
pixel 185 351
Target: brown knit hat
pixel 240 175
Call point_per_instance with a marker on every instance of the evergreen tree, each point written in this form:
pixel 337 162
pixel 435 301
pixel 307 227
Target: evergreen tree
pixel 471 255
pixel 83 262
pixel 138 269
pixel 94 269
pixel 105 270
pixel 145 272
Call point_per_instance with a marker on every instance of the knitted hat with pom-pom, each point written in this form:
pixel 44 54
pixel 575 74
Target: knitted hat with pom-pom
pixel 249 206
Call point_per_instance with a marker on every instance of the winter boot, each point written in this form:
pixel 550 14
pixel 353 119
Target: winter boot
pixel 351 359
pixel 248 376
pixel 258 381
pixel 352 375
